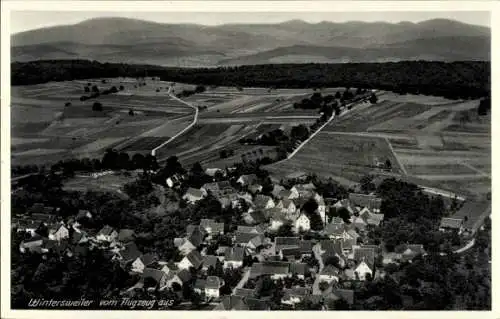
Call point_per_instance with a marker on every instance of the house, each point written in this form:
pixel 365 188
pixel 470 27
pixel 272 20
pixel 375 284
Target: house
pixel 329 274
pixel 321 208
pixel 126 235
pixel 242 303
pixel 196 234
pixel 344 203
pixel 332 248
pixel 452 224
pixel 286 242
pixel 305 247
pixel 82 214
pixel 212 171
pixel 142 262
pixel 288 207
pixel 245 180
pixel 277 220
pixel 288 194
pixel 193 259
pixel 372 202
pixel 245 292
pixel 343 294
pixel 184 245
pixel 233 257
pixel 107 233
pixel 178 277
pixel 250 241
pixel 302 223
pixel 473 214
pixel 210 261
pixel 211 227
pixel 277 190
pixel 300 270
pixel 193 195
pixel 408 252
pixel 291 253
pixel 174 181
pixel 212 287
pixel 258 229
pixel 255 188
pixel 59 233
pixel 335 231
pixel 128 254
pixel 303 190
pixel 255 217
pixel 295 295
pixel 275 269
pixel 297 176
pixel 359 223
pixel 365 262
pixel 263 202
pixel 32 244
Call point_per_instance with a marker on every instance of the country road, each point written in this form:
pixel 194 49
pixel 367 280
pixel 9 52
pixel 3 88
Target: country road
pixel 195 119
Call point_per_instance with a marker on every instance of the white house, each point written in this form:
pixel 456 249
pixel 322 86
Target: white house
pixel 233 257
pixel 212 287
pixel 302 223
pixel 184 245
pixel 59 233
pixel 193 259
pixel 263 202
pixel 193 195
pixel 287 206
pixel 107 233
pixel 362 269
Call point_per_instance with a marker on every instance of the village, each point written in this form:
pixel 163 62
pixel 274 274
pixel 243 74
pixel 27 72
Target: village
pixel 314 249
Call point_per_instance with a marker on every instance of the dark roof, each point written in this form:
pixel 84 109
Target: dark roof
pixel 232 303
pixel 213 282
pixel 195 258
pixel 80 250
pixel 243 238
pixel 269 268
pixel 261 200
pixel 196 237
pixel 332 247
pixel 284 242
pixel 454 223
pixel 306 246
pixel 298 268
pixel 148 259
pixel 210 260
pixel 184 275
pixel 291 251
pixel 131 252
pixel 200 283
pixel 152 273
pixel 258 216
pixel 346 294
pixel 362 200
pixel 365 254
pixel 243 292
pixel 126 235
pixel 106 231
pixel 234 254
pixel 77 236
pixel 251 229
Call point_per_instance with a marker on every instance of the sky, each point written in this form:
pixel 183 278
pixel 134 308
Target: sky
pixel 28 20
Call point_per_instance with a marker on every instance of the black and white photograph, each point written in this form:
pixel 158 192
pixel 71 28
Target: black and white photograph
pixel 273 160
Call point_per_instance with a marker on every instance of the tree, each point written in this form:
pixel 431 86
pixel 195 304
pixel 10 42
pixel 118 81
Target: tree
pixel 285 230
pixel 86 89
pixel 122 87
pixel 131 112
pixel 373 98
pixel 95 89
pixel 323 286
pixel 97 106
pixel 388 165
pixel 67 104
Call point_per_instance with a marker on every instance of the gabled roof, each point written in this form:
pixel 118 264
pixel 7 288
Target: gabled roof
pixel 269 268
pixel 152 273
pixel 148 259
pixel 375 219
pixel 365 254
pixel 130 252
pixel 126 235
pixel 250 229
pixel 287 202
pixel 337 220
pixel 305 246
pixel 77 236
pixel 82 213
pixel 200 284
pixel 210 260
pixel 298 268
pixel 304 187
pixel 244 292
pixel 213 282
pixel 258 216
pixel 244 238
pixel 213 187
pixel 196 236
pixel 284 242
pixel 362 200
pixel 346 294
pixel 195 258
pixel 194 192
pixel 184 275
pixel 332 247
pixel 454 223
pixel 285 193
pixel 106 231
pixel 329 270
pixel 291 251
pixel 254 188
pixel 261 201
pixel 277 190
pixel 234 254
pixel 334 229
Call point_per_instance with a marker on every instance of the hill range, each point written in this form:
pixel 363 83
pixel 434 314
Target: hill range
pixel 191 45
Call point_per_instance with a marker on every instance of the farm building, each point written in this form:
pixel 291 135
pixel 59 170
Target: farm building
pixel 193 195
pixel 369 201
pixel 451 224
pixel 473 215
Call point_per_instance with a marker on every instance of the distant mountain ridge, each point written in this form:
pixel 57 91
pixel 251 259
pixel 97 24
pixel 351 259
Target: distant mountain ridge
pixel 139 41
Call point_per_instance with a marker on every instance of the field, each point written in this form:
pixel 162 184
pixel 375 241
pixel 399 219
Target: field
pixel 429 140
pixel 109 183
pixel 49 122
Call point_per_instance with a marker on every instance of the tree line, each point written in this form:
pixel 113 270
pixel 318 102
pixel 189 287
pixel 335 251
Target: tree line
pixel 455 80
